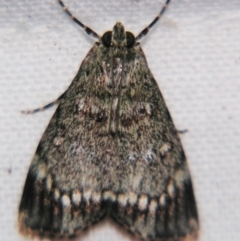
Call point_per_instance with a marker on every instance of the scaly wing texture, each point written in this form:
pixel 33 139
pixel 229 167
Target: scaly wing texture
pixel 159 200
pixel 111 148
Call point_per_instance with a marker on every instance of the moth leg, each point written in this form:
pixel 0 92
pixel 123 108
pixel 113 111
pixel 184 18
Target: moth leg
pixel 88 30
pixel 43 107
pixel 182 131
pixel 145 31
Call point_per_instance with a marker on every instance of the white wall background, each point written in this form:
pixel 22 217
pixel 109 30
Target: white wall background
pixel 193 52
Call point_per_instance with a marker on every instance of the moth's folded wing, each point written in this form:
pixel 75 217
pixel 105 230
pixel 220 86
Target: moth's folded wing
pixel 62 192
pixel 159 202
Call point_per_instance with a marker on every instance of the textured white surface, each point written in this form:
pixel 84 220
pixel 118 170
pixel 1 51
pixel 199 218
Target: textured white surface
pixel 193 52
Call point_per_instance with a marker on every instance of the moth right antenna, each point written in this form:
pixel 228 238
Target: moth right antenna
pixel 145 31
pixel 88 30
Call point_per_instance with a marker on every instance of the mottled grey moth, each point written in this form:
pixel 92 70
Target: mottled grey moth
pixel 111 150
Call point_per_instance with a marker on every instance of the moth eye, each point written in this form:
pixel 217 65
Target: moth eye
pixel 130 39
pixel 107 38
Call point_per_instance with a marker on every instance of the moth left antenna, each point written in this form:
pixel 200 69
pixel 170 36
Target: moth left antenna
pixel 88 30
pixel 145 31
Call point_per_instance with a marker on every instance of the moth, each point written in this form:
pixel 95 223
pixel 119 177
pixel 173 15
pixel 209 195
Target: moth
pixel 111 150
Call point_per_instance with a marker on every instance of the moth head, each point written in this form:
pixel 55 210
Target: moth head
pixel 118 37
